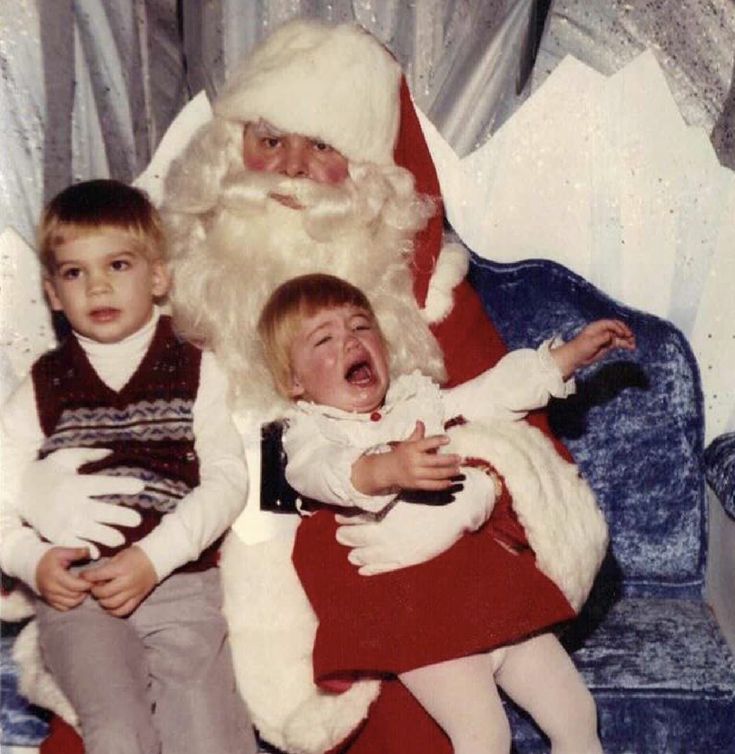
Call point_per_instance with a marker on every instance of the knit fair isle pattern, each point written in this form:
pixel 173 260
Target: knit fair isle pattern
pixel 143 422
pixel 147 424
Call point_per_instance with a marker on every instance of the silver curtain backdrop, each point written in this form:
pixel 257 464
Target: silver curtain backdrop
pixel 89 86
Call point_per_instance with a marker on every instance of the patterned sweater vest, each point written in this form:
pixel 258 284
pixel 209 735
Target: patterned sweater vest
pixel 148 425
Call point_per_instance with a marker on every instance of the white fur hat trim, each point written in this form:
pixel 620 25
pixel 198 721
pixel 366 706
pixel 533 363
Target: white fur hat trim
pixel 337 84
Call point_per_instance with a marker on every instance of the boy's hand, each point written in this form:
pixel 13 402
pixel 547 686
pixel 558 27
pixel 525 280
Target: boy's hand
pixel 61 589
pixel 413 464
pixel 123 582
pixel 591 344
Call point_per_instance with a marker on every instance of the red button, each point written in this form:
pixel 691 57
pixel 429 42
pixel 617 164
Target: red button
pixel 375 416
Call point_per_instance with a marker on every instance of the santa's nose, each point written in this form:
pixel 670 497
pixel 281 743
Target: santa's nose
pixel 294 164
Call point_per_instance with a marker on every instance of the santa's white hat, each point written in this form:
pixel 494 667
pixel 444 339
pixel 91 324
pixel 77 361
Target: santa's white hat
pixel 337 84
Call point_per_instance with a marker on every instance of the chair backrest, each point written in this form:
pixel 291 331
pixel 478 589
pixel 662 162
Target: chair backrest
pixel 635 427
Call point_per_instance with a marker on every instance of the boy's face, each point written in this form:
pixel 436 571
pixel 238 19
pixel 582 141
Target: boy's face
pixel 338 358
pixel 105 285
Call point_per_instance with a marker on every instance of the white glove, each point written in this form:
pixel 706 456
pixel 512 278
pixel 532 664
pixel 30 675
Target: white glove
pixel 412 533
pixel 56 501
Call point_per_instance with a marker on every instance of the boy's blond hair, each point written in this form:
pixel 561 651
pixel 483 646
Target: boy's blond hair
pixel 288 305
pixel 91 207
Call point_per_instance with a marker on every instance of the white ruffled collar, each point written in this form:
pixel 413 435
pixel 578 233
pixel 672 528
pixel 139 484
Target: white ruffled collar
pixel 402 388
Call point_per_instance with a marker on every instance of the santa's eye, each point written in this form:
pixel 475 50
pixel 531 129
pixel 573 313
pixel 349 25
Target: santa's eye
pixel 321 146
pixel 270 142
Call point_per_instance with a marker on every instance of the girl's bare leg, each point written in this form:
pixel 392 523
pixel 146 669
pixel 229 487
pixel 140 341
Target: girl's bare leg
pixel 461 696
pixel 539 675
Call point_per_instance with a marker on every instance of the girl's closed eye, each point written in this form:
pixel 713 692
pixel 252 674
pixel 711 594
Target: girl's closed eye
pixel 361 323
pixel 323 340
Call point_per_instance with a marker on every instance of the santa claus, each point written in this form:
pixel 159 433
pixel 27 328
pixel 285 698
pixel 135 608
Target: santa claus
pixel 314 161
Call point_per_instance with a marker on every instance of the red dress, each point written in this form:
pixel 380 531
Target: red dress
pixel 477 595
pixel 397 724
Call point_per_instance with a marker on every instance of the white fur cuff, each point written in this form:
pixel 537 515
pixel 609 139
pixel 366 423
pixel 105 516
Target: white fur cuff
pixel 451 269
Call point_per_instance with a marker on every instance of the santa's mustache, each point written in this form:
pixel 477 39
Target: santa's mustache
pixel 243 189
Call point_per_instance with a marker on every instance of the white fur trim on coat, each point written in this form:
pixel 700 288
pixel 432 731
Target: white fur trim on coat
pixel 272 629
pixel 451 269
pixel 555 505
pixel 344 69
pixel 16 604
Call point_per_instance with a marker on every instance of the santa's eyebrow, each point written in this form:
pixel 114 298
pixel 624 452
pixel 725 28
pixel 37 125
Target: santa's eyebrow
pixel 264 129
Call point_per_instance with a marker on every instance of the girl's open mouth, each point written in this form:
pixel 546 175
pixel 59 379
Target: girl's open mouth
pixel 360 373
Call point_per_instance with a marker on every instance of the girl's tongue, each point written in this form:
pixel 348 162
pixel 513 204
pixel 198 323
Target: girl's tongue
pixel 360 373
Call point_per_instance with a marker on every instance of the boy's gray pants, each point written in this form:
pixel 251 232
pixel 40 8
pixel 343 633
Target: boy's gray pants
pixel 157 682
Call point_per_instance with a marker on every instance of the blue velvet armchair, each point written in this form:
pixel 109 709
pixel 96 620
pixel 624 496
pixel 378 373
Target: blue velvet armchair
pixel 652 641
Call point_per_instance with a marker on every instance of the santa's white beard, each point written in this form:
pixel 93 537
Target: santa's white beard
pixel 250 244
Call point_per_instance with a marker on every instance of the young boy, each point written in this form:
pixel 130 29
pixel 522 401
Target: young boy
pixel 356 438
pixel 136 642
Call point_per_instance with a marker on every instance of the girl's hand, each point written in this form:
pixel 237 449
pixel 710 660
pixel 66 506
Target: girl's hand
pixel 412 464
pixel 591 344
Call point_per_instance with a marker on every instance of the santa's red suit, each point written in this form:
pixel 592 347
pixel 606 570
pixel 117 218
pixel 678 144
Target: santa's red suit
pixel 396 723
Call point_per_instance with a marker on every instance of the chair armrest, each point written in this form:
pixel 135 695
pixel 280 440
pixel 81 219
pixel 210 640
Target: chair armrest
pixel 719 468
pixel 719 462
pixel 640 451
pixel 720 574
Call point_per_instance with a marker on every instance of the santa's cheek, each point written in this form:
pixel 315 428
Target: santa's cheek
pixel 260 163
pixel 329 168
pixel 334 174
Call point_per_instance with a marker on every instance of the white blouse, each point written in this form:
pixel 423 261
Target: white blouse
pixel 322 443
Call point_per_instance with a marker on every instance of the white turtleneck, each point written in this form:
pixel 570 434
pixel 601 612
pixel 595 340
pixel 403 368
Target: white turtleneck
pixel 205 513
pixel 115 363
